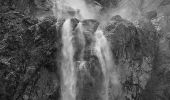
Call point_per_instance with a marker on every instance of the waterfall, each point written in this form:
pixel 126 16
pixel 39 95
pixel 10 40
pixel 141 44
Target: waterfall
pixel 104 54
pixel 107 63
pixel 79 40
pixel 68 91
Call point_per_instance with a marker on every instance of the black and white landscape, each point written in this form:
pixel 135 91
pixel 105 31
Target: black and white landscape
pixel 84 49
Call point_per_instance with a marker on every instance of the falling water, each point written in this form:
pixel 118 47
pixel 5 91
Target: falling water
pixel 68 70
pixel 80 40
pixel 105 56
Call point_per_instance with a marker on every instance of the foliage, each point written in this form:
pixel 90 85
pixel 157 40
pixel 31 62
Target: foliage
pixel 29 49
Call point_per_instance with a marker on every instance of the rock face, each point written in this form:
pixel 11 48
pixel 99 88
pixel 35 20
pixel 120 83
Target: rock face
pixel 132 47
pixel 84 37
pixel 141 59
pixel 28 52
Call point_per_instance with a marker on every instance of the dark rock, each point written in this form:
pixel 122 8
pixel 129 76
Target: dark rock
pixel 90 25
pixel 84 37
pixel 89 28
pixel 74 22
pixel 90 80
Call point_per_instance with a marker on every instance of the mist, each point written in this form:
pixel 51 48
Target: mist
pixel 132 10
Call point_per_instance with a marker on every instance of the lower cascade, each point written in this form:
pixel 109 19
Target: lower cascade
pixel 68 70
pixel 104 54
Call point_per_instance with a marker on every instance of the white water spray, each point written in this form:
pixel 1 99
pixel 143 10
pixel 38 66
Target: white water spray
pixel 80 8
pixel 68 69
pixel 108 68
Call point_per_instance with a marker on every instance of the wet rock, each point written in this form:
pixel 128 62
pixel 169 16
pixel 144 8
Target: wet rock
pixel 90 80
pixel 78 42
pixel 74 22
pixel 84 37
pixel 90 25
pixel 79 49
